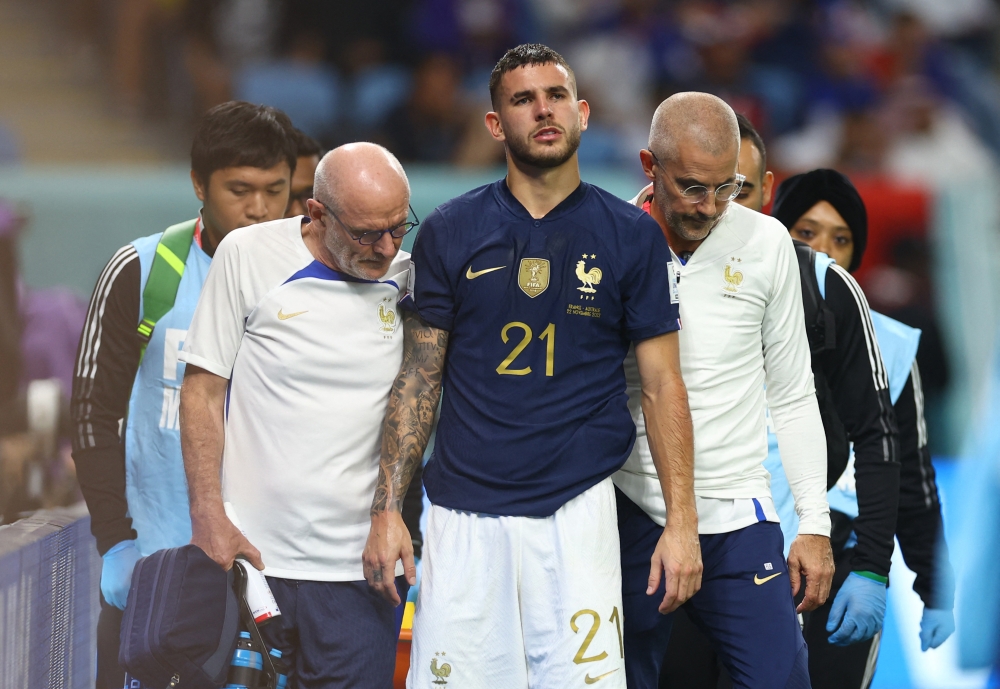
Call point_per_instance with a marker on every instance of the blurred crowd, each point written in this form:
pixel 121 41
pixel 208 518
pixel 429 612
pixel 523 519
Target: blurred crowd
pixel 39 331
pixel 907 87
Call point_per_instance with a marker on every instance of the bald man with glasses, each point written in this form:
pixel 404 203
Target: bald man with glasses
pixel 291 355
pixel 737 282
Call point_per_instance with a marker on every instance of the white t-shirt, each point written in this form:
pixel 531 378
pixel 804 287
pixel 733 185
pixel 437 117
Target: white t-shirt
pixel 741 307
pixel 310 354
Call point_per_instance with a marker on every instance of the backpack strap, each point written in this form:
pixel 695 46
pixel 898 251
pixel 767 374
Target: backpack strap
pixel 160 291
pixel 820 321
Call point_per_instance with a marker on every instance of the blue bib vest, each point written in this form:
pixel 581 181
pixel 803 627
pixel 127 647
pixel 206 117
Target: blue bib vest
pixel 898 345
pixel 155 484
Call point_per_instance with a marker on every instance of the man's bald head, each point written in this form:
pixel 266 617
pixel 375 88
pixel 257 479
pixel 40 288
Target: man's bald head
pixel 353 177
pixel 360 197
pixel 698 119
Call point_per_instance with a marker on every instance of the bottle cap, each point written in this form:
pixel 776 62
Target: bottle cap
pixel 244 635
pixel 276 653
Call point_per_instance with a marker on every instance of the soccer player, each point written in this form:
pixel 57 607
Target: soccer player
pixel 743 328
pixel 527 295
pixel 291 354
pixel 126 388
pixel 823 209
pixel 308 152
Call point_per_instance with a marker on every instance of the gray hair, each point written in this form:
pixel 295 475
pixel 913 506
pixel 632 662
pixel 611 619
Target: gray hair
pixel 701 118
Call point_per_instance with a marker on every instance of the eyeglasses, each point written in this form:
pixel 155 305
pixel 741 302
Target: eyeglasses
pixel 369 237
pixel 724 193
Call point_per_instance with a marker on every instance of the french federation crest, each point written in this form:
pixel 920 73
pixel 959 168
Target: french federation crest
pixel 533 276
pixel 388 321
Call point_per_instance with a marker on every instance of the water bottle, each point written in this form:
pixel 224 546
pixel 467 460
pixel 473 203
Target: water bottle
pixel 280 669
pixel 246 666
pixel 132 683
pixel 259 596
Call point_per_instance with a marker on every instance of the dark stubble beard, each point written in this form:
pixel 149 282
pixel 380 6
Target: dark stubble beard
pixel 676 221
pixel 549 156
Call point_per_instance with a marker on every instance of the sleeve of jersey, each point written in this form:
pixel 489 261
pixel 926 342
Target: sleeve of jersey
pixel 791 394
pixel 217 325
pixel 649 293
pixel 431 292
pixel 106 363
pixel 918 527
pixel 860 390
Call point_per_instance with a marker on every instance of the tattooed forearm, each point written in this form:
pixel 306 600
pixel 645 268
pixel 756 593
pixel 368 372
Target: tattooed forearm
pixel 413 402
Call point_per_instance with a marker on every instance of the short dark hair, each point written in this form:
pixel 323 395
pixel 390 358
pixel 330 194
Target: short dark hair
pixel 240 134
pixel 748 132
pixel 305 145
pixel 522 56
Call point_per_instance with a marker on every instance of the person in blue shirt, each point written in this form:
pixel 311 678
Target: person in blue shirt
pixel 126 441
pixel 526 296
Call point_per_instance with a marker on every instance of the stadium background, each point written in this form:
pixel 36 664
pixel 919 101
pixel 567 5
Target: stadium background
pixel 98 97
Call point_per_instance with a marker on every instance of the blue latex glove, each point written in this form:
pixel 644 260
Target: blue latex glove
pixel 857 611
pixel 116 573
pixel 935 627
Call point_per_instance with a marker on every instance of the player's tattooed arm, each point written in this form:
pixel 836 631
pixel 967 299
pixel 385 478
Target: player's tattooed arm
pixel 413 402
pixel 409 419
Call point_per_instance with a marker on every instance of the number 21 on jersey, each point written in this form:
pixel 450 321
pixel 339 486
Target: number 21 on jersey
pixel 548 336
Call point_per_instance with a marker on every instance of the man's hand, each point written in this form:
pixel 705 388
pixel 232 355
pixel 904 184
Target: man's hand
pixel 678 556
pixel 858 610
pixel 116 573
pixel 811 557
pixel 222 541
pixel 388 541
pixel 935 627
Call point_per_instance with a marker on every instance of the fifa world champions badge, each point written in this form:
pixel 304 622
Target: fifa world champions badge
pixel 533 276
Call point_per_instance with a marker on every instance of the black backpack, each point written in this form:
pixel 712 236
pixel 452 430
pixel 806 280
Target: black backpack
pixel 821 331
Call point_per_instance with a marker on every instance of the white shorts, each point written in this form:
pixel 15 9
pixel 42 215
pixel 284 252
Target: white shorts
pixel 518 602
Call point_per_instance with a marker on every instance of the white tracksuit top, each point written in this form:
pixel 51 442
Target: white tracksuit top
pixel 743 327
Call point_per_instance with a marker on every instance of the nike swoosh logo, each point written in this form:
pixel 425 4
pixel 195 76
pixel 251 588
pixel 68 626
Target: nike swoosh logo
pixel 591 680
pixel 286 316
pixel 472 275
pixel 759 581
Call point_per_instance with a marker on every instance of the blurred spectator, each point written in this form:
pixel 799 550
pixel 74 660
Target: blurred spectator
pixel 375 32
pixel 429 126
pixel 722 37
pixel 10 319
pixel 931 143
pixel 38 330
pixel 222 37
pixel 477 32
pixel 904 290
pixel 300 84
pixel 862 143
pixel 138 28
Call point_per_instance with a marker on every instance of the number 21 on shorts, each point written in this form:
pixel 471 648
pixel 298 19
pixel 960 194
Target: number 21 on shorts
pixel 578 625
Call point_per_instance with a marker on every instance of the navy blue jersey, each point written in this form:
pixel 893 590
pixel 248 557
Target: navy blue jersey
pixel 541 314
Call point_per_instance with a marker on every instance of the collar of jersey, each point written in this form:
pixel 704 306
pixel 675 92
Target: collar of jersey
pixel 567 205
pixel 321 271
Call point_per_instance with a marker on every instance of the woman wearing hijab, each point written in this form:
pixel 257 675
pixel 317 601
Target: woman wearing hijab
pixel 823 209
